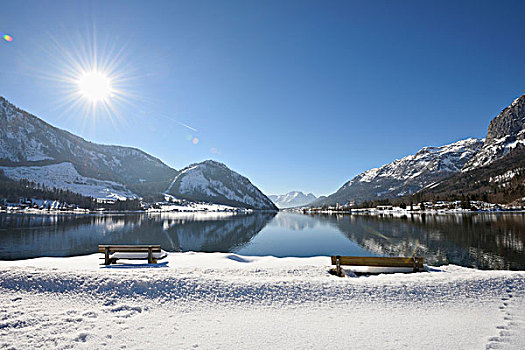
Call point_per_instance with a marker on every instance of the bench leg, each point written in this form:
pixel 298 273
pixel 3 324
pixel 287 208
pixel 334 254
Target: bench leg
pixel 150 256
pixel 338 266
pixel 106 256
pixel 416 265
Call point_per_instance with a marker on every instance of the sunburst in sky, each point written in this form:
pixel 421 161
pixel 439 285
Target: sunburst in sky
pixel 93 75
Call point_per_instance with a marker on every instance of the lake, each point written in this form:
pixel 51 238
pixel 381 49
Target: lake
pixel 482 240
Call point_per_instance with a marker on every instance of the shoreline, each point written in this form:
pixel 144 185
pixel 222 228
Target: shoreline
pixel 373 211
pixel 370 211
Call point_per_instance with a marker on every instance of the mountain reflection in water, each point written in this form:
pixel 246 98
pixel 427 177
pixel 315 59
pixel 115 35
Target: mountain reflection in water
pixel 28 236
pixel 482 240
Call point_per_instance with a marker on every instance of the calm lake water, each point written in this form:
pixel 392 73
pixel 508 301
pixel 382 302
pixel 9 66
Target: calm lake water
pixel 488 241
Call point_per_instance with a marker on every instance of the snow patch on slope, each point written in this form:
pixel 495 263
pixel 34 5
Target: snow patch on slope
pixel 507 176
pixel 65 176
pixel 448 158
pixel 499 148
pixel 505 133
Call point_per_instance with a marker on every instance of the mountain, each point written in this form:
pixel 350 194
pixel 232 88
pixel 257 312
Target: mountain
pixel 505 133
pixel 41 153
pixel 407 175
pixel 502 181
pixel 292 199
pixel 496 173
pixel 214 182
pixel 31 148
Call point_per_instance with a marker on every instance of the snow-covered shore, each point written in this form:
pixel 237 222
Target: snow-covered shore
pixel 223 300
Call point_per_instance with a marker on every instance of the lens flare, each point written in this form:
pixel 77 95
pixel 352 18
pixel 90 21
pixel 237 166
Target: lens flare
pixel 7 37
pixel 377 233
pixel 195 140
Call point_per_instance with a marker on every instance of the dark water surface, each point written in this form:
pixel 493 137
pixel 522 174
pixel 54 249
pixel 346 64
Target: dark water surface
pixel 488 241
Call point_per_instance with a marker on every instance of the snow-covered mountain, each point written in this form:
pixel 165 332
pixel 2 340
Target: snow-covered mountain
pixel 214 182
pixel 292 199
pixel 407 175
pixel 495 173
pixel 28 141
pixel 34 150
pixel 505 133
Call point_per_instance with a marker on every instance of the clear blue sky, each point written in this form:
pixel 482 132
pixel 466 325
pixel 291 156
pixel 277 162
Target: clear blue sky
pixel 296 95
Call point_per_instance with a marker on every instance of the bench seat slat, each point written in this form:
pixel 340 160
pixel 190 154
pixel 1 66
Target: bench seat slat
pixel 129 248
pixel 135 250
pixel 137 255
pixel 378 261
pixel 129 245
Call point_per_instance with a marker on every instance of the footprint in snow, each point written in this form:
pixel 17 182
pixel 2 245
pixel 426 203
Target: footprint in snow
pixel 125 311
pixel 90 314
pixel 82 337
pixel 505 333
pixel 110 302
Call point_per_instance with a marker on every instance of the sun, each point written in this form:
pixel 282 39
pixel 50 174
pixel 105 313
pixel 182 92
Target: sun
pixel 95 78
pixel 95 86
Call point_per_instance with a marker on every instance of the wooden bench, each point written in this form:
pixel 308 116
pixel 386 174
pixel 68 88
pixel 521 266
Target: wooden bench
pixel 149 249
pixel 414 263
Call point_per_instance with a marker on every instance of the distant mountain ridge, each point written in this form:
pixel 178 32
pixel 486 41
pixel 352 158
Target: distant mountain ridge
pixel 292 199
pixel 39 152
pixel 407 175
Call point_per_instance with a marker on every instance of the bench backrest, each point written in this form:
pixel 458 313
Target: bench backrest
pixel 129 248
pixel 378 261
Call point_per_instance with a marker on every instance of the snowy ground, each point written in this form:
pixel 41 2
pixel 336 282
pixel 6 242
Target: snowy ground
pixel 217 301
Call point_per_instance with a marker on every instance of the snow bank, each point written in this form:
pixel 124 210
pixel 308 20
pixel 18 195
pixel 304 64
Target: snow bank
pixel 224 300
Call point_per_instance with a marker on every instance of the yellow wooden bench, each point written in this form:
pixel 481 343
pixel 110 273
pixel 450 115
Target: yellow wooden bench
pixel 410 264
